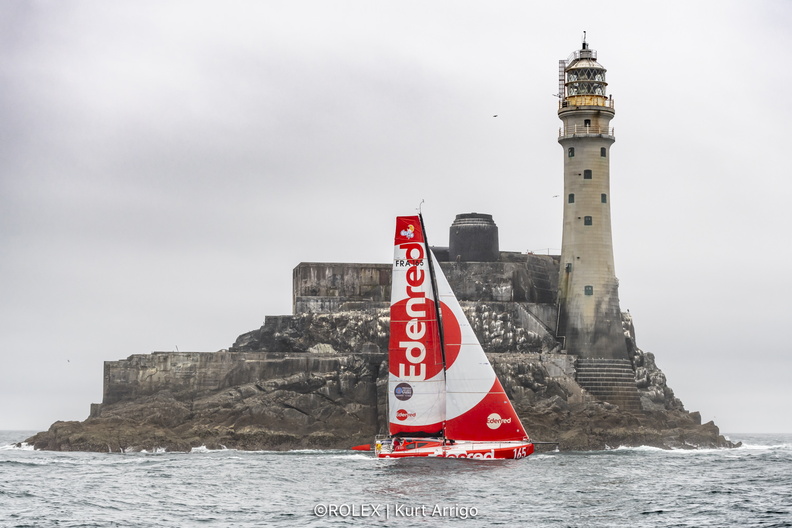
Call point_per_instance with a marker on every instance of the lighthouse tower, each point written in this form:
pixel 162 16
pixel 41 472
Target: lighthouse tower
pixel 589 315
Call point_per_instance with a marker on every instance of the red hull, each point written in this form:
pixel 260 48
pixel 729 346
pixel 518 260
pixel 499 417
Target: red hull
pixel 475 450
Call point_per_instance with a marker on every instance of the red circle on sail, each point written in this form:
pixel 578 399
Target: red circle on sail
pixel 414 340
pixel 452 334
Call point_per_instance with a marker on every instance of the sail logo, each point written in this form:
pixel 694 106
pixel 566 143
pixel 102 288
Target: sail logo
pixel 494 421
pixel 408 233
pixel 408 229
pixel 403 391
pixel 402 415
pixel 409 328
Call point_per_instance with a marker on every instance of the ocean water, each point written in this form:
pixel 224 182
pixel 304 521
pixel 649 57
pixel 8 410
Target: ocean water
pixel 635 487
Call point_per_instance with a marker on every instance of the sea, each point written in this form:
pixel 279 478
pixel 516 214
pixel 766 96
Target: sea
pixel 635 487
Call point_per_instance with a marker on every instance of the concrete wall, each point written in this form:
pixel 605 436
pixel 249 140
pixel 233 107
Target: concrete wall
pixel 332 287
pixel 538 317
pixel 347 281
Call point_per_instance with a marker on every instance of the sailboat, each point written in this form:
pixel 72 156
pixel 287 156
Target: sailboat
pixel 444 398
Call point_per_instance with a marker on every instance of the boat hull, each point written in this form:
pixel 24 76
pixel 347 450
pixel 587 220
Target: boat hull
pixel 460 449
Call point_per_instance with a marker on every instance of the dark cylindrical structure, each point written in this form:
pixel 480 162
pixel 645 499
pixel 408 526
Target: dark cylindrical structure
pixel 473 238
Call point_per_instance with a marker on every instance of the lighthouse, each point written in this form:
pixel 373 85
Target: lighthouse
pixel 589 320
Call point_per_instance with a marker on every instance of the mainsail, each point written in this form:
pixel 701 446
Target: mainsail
pixel 416 384
pixel 438 386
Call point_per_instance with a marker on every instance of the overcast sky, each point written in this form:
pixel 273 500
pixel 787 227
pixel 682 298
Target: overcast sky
pixel 165 165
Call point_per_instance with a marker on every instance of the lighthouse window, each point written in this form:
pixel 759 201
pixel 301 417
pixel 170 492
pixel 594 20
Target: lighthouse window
pixel 586 220
pixel 587 122
pixel 587 174
pixel 571 152
pixel 604 198
pixel 603 152
pixel 588 290
pixel 572 198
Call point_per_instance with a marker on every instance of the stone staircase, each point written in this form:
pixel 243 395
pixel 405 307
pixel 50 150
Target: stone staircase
pixel 609 380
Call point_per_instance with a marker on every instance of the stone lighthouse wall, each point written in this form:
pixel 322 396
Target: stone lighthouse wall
pixel 589 312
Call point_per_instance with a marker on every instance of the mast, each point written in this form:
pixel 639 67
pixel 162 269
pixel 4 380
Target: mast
pixel 433 279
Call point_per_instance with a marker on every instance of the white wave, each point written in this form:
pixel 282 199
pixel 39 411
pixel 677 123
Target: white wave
pixel 638 448
pixel 762 440
pixel 155 451
pixel 23 446
pixel 764 447
pixel 353 456
pixel 543 456
pixel 692 450
pixel 204 449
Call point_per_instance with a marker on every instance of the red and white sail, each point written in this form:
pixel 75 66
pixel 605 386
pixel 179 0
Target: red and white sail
pixel 477 407
pixel 438 388
pixel 416 383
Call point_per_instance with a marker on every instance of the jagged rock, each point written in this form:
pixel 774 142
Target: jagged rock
pixel 320 381
pixel 340 401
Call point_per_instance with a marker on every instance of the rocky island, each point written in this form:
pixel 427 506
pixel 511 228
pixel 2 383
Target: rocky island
pixel 318 378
